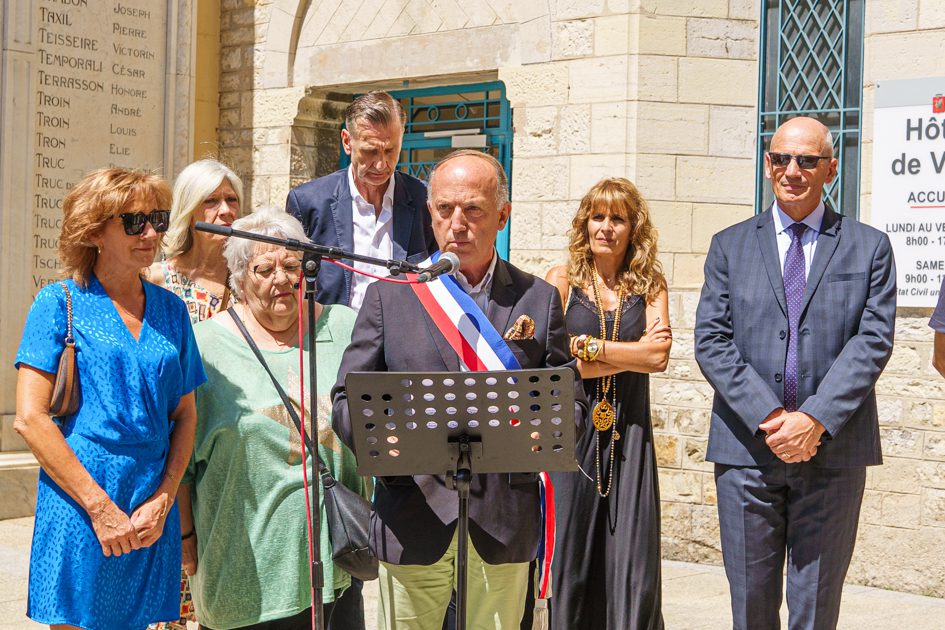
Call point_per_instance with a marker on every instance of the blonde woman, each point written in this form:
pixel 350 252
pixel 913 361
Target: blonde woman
pixel 606 573
pixel 193 265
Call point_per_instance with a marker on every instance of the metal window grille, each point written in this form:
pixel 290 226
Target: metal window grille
pixel 440 119
pixel 811 64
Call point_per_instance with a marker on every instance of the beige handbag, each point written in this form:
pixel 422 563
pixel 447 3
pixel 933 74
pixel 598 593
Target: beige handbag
pixel 67 395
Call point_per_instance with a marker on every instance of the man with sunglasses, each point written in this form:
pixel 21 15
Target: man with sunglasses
pixel 793 329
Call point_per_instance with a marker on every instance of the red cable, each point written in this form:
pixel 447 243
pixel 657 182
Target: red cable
pixel 308 507
pixel 371 275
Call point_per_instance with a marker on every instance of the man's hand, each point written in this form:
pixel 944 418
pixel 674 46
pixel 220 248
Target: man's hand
pixel 793 436
pixel 188 550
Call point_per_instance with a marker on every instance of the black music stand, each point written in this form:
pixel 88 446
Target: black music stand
pixel 462 423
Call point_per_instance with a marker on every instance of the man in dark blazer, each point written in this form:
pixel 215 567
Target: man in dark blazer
pixel 369 208
pixel 794 326
pixel 414 520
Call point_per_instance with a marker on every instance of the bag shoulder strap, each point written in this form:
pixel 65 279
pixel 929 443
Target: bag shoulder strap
pixel 322 469
pixel 69 338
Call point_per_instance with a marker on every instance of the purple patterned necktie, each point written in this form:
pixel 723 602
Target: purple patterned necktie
pixel 795 281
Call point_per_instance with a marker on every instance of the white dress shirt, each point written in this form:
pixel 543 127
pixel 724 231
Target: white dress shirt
pixel 480 292
pixel 782 223
pixel 373 236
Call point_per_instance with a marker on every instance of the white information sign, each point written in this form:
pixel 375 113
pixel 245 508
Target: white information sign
pixel 908 192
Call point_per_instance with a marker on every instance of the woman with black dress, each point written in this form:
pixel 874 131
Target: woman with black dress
pixel 606 571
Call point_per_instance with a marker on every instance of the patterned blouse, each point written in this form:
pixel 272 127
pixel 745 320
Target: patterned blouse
pixel 201 303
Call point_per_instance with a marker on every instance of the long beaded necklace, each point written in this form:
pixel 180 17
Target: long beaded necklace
pixel 604 414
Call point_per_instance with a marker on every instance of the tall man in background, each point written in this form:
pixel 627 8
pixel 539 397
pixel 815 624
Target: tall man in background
pixel 370 207
pixel 794 326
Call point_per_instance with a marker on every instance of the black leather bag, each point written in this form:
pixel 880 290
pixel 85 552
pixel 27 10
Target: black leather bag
pixel 349 514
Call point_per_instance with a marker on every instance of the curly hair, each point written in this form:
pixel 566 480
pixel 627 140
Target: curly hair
pixel 99 196
pixel 641 273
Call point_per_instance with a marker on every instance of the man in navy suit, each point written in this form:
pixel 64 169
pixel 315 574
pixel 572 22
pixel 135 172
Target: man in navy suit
pixel 369 208
pixel 794 326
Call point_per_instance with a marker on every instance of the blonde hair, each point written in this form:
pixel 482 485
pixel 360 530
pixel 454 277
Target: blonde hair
pixel 99 196
pixel 194 184
pixel 641 273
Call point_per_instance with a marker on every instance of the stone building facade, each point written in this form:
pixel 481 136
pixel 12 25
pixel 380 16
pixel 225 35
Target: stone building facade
pixel 663 92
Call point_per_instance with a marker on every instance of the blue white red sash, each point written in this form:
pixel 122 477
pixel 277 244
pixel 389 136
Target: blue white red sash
pixel 480 347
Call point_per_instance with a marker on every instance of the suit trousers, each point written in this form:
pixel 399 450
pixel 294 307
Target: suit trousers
pixel 415 597
pixel 803 511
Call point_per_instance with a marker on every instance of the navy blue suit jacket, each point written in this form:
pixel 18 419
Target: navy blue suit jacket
pixel 845 338
pixel 323 205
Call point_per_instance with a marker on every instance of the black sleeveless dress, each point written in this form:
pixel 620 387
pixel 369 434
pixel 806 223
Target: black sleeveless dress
pixel 606 571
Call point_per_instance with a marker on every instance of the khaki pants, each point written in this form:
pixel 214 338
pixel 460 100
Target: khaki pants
pixel 415 597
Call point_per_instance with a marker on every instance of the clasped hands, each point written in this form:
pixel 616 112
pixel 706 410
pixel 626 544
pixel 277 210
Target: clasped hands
pixel 793 436
pixel 119 533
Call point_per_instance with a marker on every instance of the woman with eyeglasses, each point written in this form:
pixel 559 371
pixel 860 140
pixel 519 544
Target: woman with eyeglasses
pixel 106 544
pixel 193 265
pixel 242 499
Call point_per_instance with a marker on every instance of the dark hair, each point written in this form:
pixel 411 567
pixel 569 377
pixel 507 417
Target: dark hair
pixel 379 108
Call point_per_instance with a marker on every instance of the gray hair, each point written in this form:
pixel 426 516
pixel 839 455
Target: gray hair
pixel 501 180
pixel 378 108
pixel 194 184
pixel 239 251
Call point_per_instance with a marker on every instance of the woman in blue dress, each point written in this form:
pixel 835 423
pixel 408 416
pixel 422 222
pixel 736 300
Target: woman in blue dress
pixel 106 545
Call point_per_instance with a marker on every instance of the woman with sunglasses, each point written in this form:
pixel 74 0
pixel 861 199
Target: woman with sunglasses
pixel 193 265
pixel 242 499
pixel 106 544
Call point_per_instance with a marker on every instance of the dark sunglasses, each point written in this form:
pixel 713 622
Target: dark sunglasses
pixel 134 222
pixel 803 161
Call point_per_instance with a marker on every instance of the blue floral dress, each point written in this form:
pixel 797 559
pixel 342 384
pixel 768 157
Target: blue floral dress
pixel 121 435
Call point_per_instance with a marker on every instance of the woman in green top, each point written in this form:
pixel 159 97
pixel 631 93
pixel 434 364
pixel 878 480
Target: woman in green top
pixel 243 506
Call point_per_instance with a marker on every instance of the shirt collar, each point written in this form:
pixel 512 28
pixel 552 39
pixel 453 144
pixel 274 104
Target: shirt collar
pixel 388 201
pixel 814 220
pixel 486 281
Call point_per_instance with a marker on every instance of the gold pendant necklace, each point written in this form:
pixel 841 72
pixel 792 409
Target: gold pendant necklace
pixel 604 414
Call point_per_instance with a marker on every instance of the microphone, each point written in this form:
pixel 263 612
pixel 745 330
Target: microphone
pixel 448 264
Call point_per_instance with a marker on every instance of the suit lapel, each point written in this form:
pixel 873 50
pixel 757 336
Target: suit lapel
pixel 344 223
pixel 499 311
pixel 502 298
pixel 767 241
pixel 827 242
pixel 403 217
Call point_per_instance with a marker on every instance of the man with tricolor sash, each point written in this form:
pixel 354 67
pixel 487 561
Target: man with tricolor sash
pixel 453 324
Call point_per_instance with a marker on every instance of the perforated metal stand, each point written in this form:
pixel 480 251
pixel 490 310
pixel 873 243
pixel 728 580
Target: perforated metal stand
pixel 462 423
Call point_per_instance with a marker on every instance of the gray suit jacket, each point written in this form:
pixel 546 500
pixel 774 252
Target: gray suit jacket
pixel 414 517
pixel 845 338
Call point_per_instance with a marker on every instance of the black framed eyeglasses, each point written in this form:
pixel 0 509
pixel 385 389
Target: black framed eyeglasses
pixel 803 161
pixel 134 222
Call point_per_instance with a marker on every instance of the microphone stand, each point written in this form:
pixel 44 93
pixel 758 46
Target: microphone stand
pixel 312 259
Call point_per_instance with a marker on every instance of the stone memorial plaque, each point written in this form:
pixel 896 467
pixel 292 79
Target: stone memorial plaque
pixel 101 87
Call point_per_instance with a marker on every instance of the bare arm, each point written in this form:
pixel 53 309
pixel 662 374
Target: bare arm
pixel 187 528
pixel 148 518
pixel 112 526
